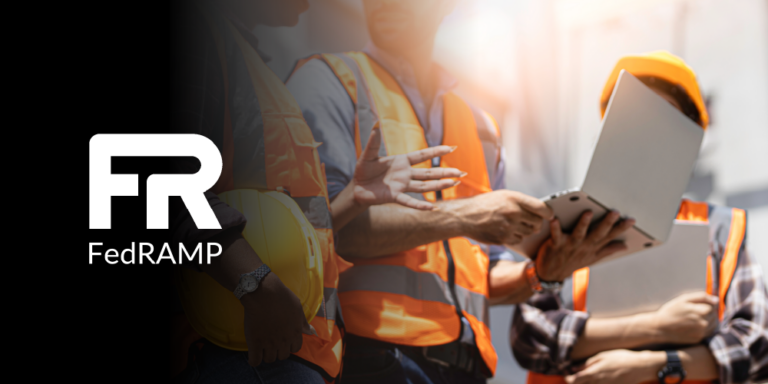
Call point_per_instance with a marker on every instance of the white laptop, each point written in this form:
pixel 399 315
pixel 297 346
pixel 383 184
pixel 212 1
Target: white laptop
pixel 644 281
pixel 641 165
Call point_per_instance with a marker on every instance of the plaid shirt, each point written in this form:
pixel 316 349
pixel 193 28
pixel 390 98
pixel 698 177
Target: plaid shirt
pixel 544 332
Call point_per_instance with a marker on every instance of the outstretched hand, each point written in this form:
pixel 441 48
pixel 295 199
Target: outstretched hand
pixel 381 180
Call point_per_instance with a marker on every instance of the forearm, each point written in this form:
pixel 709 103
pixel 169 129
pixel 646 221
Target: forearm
pixel 390 228
pixel 698 363
pixel 507 283
pixel 344 207
pixel 615 333
pixel 238 258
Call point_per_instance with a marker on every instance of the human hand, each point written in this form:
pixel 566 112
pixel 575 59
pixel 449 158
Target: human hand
pixel 686 319
pixel 380 180
pixel 563 254
pixel 274 322
pixel 619 366
pixel 503 217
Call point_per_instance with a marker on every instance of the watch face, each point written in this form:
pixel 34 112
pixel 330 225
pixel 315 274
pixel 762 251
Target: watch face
pixel 249 283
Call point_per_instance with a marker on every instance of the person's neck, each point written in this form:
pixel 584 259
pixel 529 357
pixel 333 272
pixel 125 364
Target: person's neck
pixel 421 63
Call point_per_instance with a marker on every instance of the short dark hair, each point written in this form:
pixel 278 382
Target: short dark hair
pixel 677 92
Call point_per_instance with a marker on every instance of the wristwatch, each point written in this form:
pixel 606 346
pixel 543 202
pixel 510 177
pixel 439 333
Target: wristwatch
pixel 540 285
pixel 673 372
pixel 250 281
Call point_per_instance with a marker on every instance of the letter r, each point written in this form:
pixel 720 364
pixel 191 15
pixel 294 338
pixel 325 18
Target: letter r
pixel 191 187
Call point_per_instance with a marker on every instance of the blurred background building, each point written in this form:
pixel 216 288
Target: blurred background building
pixel 539 67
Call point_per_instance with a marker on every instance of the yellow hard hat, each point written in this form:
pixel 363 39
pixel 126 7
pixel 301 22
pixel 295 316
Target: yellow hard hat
pixel 663 65
pixel 284 240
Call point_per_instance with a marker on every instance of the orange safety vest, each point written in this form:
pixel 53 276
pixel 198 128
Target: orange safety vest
pixel 291 164
pixel 410 298
pixel 732 219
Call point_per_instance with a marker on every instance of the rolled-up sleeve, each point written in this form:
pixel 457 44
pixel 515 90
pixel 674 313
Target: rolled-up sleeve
pixel 740 345
pixel 543 334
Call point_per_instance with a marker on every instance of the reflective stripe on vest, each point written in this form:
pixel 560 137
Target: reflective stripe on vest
pixel 406 298
pixel 286 158
pixel 727 226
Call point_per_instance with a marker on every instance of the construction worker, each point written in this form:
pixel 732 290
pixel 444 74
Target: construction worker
pixel 720 335
pixel 416 290
pixel 222 89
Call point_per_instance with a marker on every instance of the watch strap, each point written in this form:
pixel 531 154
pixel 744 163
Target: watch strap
pixel 259 274
pixel 674 367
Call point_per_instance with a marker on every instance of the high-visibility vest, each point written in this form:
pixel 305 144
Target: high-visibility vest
pixel 290 164
pixel 727 226
pixel 414 297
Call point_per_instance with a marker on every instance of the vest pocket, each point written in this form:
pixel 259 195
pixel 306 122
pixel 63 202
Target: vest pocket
pixel 292 159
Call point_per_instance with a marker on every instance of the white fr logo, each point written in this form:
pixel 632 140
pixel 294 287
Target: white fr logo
pixel 104 185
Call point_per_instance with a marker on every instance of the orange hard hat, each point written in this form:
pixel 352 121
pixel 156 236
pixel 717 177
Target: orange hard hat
pixel 663 65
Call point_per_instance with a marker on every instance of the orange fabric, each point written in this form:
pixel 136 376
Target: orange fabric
pixel 483 340
pixel 292 163
pixel 538 378
pixel 580 284
pixel 468 149
pixel 693 211
pixel 710 273
pixel 399 125
pixel 467 266
pixel 399 318
pixel 731 256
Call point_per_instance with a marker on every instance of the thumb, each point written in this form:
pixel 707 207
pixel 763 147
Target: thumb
pixel 371 151
pixel 306 328
pixel 702 297
pixel 535 206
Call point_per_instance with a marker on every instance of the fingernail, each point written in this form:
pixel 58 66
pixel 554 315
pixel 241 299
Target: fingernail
pixel 453 147
pixel 435 208
pixel 463 174
pixel 457 183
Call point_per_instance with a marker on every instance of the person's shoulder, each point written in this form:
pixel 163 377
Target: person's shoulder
pixel 312 73
pixel 487 127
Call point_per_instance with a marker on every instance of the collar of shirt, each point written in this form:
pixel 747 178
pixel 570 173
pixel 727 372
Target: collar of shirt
pixel 401 70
